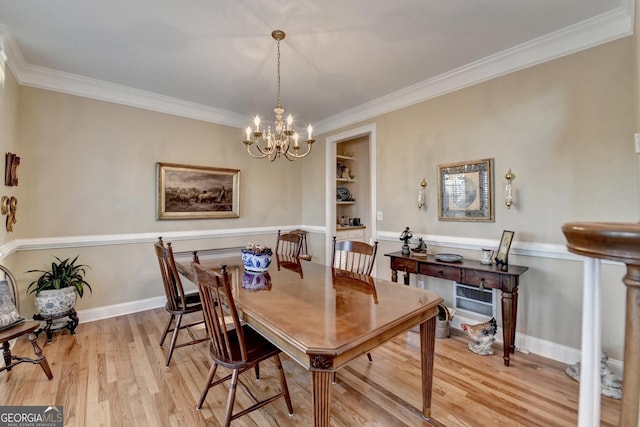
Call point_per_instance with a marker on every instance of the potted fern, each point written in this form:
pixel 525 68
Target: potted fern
pixel 56 289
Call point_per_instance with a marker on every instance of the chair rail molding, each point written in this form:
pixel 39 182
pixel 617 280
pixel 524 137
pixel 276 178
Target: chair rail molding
pixel 36 244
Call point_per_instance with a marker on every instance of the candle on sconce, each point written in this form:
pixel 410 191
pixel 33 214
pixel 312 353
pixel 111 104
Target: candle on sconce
pixel 256 121
pixel 248 133
pixel 289 122
pixel 295 140
pixel 309 130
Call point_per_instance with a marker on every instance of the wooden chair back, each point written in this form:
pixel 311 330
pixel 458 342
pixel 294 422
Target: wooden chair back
pixel 217 302
pixel 176 297
pixel 288 245
pixel 355 256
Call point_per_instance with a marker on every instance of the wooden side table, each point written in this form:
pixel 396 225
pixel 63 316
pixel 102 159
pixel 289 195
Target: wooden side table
pixel 52 326
pixel 617 242
pixel 470 273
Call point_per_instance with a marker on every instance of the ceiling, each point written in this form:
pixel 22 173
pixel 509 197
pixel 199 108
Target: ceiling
pixel 342 60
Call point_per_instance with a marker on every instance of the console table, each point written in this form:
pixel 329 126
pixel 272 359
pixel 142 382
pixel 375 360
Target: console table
pixel 472 273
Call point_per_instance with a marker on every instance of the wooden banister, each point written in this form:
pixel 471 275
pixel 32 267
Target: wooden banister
pixel 617 242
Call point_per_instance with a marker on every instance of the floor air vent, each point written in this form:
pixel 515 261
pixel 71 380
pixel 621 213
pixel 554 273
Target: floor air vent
pixel 474 300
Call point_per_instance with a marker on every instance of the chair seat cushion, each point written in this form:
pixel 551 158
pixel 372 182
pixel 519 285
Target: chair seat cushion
pixel 9 315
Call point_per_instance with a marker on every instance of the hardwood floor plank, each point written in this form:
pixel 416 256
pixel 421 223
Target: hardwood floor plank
pixel 112 373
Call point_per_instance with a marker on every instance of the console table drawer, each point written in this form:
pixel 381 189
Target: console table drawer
pixel 441 271
pixel 401 264
pixel 481 278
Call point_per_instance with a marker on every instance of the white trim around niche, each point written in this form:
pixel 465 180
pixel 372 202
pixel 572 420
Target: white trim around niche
pixel 330 174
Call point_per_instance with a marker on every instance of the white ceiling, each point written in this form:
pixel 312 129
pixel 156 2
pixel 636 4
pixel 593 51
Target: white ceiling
pixel 342 60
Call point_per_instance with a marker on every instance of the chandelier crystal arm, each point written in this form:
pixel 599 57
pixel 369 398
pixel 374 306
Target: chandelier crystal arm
pixel 262 156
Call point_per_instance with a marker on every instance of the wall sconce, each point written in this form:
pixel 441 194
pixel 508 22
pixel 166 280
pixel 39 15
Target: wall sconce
pixel 421 194
pixel 508 188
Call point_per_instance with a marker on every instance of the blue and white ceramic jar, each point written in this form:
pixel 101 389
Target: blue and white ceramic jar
pixel 254 262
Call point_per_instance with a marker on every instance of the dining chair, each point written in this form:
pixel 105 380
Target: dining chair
pixel 289 245
pixel 356 257
pixel 16 326
pixel 288 248
pixel 179 303
pixel 239 348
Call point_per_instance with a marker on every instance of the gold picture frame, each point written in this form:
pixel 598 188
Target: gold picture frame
pixel 465 191
pixel 197 192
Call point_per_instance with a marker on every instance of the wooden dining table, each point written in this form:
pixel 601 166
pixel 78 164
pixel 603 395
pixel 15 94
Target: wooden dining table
pixel 324 318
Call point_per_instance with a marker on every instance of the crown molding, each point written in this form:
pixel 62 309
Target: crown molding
pixel 46 78
pixel 584 35
pixel 598 30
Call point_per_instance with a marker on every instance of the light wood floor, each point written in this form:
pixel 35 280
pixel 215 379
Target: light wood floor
pixel 112 373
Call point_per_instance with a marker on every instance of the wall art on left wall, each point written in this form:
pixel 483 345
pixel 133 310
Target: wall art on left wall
pixel 12 162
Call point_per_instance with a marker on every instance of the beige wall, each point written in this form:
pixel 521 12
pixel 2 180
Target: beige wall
pixel 9 100
pixel 565 128
pixel 90 165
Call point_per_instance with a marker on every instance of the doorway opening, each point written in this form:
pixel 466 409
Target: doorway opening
pixel 351 186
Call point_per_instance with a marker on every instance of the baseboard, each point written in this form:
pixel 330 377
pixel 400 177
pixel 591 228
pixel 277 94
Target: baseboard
pixel 115 310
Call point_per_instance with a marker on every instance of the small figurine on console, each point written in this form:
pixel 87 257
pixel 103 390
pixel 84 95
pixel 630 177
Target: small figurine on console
pixel 482 335
pixel 405 237
pixel 420 250
pixel 422 246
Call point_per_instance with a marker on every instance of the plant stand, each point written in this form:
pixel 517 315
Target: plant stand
pixel 51 326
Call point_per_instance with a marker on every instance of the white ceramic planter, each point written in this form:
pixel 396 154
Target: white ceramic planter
pixel 55 301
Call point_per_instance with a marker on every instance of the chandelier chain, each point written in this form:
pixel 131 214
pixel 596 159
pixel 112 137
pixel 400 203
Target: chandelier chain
pixel 278 99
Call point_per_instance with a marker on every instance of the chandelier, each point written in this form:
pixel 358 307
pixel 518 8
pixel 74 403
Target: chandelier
pixel 283 139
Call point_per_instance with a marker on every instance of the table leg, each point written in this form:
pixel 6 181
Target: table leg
pixel 427 351
pixel 394 275
pixel 509 312
pixel 321 397
pixel 515 313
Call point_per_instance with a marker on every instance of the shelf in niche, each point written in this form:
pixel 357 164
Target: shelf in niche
pixel 346 203
pixel 345 180
pixel 339 156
